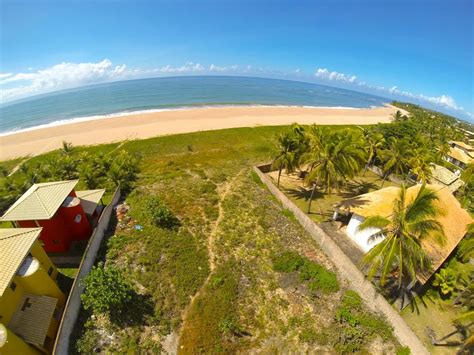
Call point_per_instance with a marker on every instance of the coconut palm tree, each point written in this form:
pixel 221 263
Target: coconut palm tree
pixel 395 158
pixel 374 142
pixel 334 158
pixel 287 155
pixel 66 148
pixel 411 222
pixel 420 164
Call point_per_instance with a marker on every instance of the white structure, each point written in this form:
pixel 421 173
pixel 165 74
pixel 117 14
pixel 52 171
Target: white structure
pixel 365 239
pixel 454 220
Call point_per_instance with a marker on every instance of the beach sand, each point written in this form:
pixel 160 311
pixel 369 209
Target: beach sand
pixel 151 124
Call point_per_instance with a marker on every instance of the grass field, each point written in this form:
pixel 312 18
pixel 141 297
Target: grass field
pixel 323 205
pixel 210 286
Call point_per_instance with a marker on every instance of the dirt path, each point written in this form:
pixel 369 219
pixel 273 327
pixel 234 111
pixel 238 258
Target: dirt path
pixel 172 342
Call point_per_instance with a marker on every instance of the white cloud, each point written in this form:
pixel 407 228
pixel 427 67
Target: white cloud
pixel 323 73
pixel 61 76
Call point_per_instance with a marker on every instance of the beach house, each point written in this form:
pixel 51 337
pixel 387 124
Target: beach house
pixel 64 214
pixel 460 154
pixel 31 301
pixel 453 219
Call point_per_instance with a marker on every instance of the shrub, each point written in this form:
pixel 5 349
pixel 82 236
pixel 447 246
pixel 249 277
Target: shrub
pixel 287 261
pixel 106 290
pixel 161 215
pixel 446 280
pixel 320 278
pixel 405 350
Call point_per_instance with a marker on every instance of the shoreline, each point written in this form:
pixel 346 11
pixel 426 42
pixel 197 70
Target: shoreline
pixel 67 121
pixel 142 125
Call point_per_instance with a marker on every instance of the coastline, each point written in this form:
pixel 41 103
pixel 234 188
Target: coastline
pixel 146 124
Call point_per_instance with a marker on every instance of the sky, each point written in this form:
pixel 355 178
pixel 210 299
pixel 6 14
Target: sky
pixel 412 50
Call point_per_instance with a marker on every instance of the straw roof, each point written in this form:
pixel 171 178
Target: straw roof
pixel 41 201
pixel 15 244
pixel 453 218
pixel 32 323
pixel 90 199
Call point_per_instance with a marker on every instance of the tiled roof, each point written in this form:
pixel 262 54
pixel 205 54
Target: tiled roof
pixel 15 244
pixel 31 323
pixel 460 155
pixel 443 174
pixel 463 145
pixel 41 201
pixel 453 218
pixel 90 199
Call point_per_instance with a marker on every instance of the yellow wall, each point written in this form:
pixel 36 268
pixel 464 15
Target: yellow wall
pixel 14 345
pixel 9 302
pixel 40 283
pixel 38 252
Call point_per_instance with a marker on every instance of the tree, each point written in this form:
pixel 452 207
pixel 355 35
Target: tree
pixel 395 158
pixel 446 280
pixel 106 290
pixel 66 148
pixel 286 157
pixel 411 222
pixel 374 142
pixel 420 164
pixel 124 170
pixel 334 158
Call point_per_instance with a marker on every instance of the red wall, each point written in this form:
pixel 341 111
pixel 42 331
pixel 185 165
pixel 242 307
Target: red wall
pixel 61 229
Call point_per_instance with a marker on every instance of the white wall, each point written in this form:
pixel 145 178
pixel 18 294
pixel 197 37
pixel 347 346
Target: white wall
pixel 363 238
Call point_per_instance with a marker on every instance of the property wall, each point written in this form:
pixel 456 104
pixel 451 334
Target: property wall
pixel 73 304
pixel 379 172
pixel 347 270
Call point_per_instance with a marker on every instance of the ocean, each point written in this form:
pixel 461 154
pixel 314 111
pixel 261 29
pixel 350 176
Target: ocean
pixel 126 97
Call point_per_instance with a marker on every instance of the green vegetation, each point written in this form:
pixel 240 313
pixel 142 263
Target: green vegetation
pixel 319 279
pixel 106 290
pixel 161 215
pixel 96 167
pixel 401 250
pixel 206 271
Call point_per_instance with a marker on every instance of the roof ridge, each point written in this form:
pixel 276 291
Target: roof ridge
pixel 21 232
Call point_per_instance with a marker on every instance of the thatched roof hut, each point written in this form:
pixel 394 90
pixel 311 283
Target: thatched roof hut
pixel 454 219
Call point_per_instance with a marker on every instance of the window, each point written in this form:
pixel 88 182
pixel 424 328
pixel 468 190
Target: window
pixel 50 271
pixel 13 286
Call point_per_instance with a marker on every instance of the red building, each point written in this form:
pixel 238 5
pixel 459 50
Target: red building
pixel 56 207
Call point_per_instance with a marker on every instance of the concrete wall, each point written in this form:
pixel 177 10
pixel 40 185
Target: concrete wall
pixel 379 172
pixel 347 270
pixel 73 304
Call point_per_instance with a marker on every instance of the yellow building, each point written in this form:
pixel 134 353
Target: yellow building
pixel 31 301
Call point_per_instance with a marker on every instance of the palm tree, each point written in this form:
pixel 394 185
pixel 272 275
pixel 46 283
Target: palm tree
pixel 396 157
pixel 334 158
pixel 399 116
pixel 420 164
pixel 374 142
pixel 287 154
pixel 411 222
pixel 66 148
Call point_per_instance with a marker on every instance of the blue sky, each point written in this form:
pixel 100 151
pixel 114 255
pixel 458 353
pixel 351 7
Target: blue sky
pixel 413 50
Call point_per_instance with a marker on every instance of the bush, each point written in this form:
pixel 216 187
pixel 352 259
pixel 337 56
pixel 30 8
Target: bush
pixel 161 215
pixel 320 278
pixel 287 261
pixel 405 350
pixel 106 290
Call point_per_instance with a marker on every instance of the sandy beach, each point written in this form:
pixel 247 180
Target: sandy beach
pixel 146 125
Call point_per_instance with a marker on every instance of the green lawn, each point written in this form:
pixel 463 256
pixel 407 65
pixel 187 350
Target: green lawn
pixel 322 207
